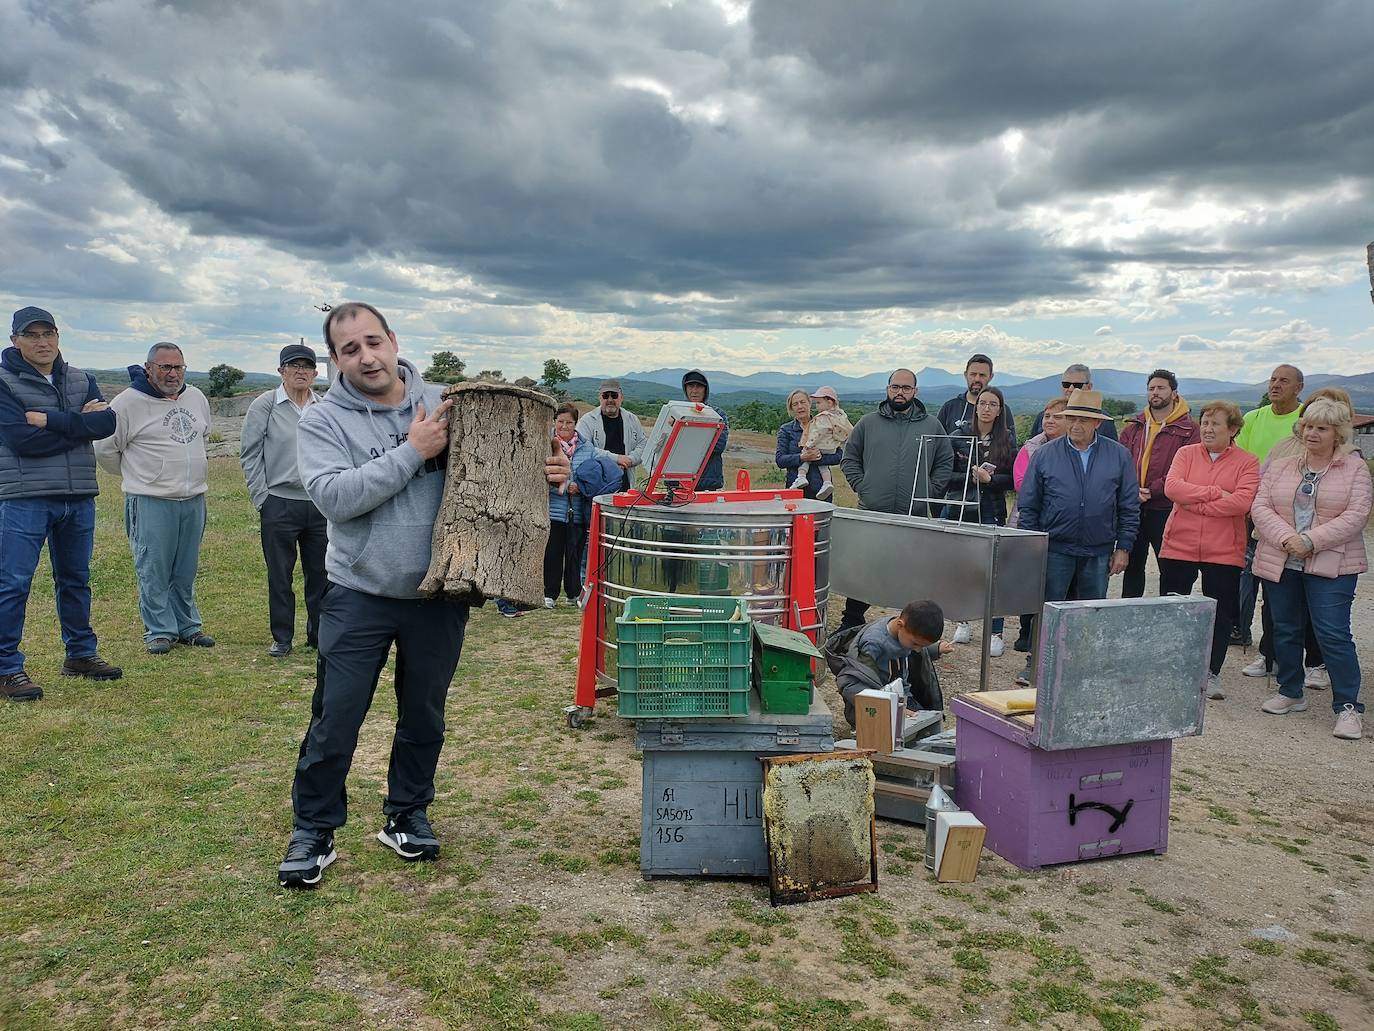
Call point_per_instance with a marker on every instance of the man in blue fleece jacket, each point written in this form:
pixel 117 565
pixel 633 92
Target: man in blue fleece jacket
pixel 49 414
pixel 372 456
pixel 1082 490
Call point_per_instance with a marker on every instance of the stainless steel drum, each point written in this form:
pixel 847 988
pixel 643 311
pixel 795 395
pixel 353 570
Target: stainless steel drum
pixel 739 549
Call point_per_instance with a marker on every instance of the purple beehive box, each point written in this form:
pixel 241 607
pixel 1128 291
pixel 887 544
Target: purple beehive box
pixel 1042 808
pixel 1115 681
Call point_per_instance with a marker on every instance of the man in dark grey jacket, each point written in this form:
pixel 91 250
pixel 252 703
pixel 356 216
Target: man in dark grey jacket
pixel 372 457
pixel 289 520
pixel 880 462
pixel 49 414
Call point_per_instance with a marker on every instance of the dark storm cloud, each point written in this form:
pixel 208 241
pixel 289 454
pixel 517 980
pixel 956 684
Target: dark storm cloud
pixel 618 156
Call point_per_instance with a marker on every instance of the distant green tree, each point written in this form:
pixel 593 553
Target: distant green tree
pixel 759 416
pixel 445 367
pixel 222 380
pixel 491 376
pixel 1115 407
pixel 556 373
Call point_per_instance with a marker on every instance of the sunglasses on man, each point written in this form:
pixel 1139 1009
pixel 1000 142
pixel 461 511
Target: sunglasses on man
pixel 1069 385
pixel 609 395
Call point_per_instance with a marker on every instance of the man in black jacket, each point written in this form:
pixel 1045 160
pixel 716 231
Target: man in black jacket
pixel 957 414
pixel 49 414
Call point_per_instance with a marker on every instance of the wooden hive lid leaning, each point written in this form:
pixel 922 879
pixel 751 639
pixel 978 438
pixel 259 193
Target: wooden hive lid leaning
pixel 493 521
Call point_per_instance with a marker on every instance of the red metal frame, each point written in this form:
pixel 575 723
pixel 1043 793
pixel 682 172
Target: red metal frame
pixel 683 484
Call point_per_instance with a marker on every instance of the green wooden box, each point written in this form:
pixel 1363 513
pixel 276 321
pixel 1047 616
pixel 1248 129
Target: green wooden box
pixel 783 669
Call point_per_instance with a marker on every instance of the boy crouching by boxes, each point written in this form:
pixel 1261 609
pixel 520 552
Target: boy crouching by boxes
pixel 902 647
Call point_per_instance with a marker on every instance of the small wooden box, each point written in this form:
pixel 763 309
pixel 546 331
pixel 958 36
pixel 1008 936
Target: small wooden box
pixel 958 845
pixel 878 720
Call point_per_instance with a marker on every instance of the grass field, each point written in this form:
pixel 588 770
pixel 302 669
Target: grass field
pixel 142 821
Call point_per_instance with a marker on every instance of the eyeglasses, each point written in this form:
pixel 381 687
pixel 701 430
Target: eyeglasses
pixel 1071 386
pixel 1308 487
pixel 901 388
pixel 47 334
pixel 991 406
pixel 168 368
pixel 300 363
pixel 609 395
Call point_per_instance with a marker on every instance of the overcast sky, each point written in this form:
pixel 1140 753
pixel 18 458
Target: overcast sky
pixel 626 184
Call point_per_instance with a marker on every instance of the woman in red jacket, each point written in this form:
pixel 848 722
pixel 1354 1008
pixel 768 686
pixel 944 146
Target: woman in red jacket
pixel 1310 515
pixel 1212 485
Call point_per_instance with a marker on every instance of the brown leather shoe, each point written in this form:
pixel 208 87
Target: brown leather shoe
pixel 17 687
pixel 92 667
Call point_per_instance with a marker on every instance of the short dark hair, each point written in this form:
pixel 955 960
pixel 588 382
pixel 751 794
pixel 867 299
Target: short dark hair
pixel 924 619
pixel 349 310
pixel 979 359
pixel 895 371
pixel 566 408
pixel 1165 375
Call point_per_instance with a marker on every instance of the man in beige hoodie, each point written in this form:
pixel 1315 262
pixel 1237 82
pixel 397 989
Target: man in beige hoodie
pixel 158 449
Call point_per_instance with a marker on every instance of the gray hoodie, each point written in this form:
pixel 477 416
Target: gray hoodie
pixel 379 495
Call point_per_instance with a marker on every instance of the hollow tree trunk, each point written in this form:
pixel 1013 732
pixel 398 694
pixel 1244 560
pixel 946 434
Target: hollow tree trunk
pixel 493 522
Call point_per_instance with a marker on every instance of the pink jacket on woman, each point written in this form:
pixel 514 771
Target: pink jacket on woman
pixel 1343 501
pixel 1211 528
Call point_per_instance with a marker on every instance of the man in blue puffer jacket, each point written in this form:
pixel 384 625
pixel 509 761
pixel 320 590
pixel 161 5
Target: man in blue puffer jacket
pixel 50 412
pixel 1082 490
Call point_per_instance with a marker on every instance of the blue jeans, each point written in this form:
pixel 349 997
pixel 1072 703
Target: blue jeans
pixel 68 526
pixel 165 537
pixel 1297 597
pixel 1089 571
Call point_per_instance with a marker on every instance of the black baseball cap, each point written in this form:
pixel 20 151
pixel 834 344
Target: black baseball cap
pixel 26 317
pixel 291 352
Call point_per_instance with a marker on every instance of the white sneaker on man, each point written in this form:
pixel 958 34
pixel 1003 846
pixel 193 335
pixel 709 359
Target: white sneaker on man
pixel 1281 705
pixel 1258 668
pixel 1214 690
pixel 548 603
pixel 1349 724
pixel 961 633
pixel 995 648
pixel 1317 679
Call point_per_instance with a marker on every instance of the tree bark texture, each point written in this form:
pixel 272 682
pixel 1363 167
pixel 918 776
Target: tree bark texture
pixel 493 522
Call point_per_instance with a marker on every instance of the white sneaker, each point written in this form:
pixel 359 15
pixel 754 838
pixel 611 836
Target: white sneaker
pixel 1214 690
pixel 1281 704
pixel 826 490
pixel 1349 725
pixel 961 633
pixel 995 648
pixel 1258 668
pixel 1317 679
pixel 798 484
pixel 548 603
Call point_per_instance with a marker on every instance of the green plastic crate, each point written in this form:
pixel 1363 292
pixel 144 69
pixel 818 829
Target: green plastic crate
pixel 694 662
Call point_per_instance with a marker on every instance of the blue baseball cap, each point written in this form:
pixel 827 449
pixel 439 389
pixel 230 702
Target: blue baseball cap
pixel 26 317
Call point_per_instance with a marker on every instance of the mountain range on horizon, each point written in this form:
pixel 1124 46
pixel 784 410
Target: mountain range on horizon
pixel 937 385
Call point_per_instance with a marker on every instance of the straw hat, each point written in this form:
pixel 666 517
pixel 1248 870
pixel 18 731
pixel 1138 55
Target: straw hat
pixel 1087 404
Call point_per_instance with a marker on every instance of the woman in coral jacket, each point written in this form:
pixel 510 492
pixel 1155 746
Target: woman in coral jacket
pixel 1212 485
pixel 1310 515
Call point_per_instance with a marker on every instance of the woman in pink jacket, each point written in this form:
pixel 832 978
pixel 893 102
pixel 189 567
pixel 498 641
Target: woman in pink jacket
pixel 1310 515
pixel 1212 485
